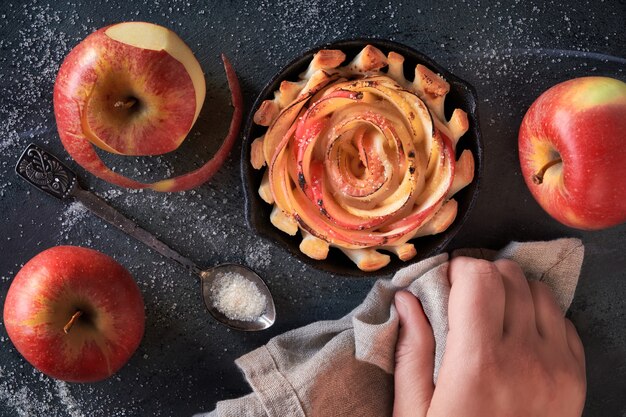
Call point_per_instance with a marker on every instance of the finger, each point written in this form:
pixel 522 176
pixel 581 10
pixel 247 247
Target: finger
pixel 415 357
pixel 476 304
pixel 519 311
pixel 548 315
pixel 574 343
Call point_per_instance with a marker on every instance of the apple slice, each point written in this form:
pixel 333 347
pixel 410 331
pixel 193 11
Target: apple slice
pixel 135 88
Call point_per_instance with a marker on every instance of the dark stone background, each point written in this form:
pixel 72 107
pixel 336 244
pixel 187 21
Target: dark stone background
pixel 509 50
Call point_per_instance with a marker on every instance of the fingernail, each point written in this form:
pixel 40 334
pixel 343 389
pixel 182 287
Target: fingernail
pixel 400 303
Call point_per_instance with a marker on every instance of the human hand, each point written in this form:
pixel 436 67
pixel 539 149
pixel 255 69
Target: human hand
pixel 509 350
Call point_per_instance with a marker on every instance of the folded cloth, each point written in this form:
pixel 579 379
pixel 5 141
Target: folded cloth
pixel 345 367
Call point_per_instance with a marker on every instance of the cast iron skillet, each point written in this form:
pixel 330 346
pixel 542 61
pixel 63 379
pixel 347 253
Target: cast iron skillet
pixel 462 95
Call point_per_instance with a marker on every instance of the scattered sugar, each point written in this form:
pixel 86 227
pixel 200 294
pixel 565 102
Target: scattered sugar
pixel 237 297
pixel 74 213
pixel 111 194
pixel 258 255
pixel 67 399
pixel 20 399
pixel 41 45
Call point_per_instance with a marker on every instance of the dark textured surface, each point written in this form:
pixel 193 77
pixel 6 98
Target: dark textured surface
pixel 509 50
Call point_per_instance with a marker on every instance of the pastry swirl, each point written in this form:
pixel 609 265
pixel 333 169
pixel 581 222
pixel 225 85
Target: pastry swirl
pixel 361 159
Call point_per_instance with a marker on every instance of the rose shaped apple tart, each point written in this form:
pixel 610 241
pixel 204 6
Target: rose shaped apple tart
pixel 359 158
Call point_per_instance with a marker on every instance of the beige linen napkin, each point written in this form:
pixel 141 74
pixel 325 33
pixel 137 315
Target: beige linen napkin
pixel 345 367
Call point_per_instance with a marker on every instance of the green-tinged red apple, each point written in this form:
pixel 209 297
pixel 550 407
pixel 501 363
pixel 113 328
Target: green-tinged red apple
pixel 572 149
pixel 75 314
pixel 134 88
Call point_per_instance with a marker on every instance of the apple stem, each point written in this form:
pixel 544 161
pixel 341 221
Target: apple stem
pixel 70 323
pixel 125 104
pixel 538 177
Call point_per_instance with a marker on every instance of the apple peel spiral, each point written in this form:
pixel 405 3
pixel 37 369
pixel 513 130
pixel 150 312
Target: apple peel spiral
pixel 135 88
pixel 361 159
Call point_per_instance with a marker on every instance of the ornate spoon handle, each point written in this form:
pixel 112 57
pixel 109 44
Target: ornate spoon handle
pixel 47 173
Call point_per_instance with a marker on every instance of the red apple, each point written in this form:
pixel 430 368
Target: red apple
pixel 572 149
pixel 134 88
pixel 75 314
pixel 138 86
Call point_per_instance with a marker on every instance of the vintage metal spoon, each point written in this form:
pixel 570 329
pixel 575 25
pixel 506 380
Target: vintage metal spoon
pixel 47 173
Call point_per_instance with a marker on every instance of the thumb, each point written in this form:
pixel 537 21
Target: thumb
pixel 415 357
